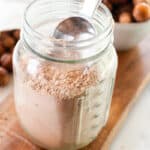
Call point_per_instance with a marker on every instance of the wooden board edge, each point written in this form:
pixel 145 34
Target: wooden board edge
pixel 125 114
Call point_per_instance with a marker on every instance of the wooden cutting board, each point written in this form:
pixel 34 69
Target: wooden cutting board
pixel 133 75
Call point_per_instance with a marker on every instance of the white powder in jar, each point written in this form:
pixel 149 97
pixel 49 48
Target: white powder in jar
pixel 59 107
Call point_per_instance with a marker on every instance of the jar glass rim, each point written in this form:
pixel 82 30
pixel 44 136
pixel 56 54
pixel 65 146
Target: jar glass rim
pixel 79 44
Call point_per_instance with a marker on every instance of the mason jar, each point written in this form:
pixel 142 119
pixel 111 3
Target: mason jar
pixel 63 90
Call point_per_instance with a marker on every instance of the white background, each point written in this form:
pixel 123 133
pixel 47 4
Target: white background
pixel 135 133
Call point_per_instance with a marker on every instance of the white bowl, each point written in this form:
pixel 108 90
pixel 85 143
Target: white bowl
pixel 129 35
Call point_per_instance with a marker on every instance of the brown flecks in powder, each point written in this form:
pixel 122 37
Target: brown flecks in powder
pixel 62 83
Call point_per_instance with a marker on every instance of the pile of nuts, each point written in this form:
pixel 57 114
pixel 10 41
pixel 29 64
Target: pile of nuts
pixel 8 40
pixel 126 11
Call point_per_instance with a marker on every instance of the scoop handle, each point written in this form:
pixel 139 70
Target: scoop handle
pixel 89 7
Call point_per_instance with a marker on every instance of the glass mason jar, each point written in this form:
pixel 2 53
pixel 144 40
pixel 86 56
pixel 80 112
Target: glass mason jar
pixel 63 90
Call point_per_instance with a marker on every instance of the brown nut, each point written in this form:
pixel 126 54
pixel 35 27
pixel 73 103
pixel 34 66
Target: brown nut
pixel 4 77
pixel 11 50
pixel 141 12
pixel 119 9
pixel 108 4
pixel 125 17
pixel 140 1
pixel 123 8
pixel 118 1
pixel 8 42
pixel 6 61
pixel 16 34
pixel 3 35
pixel 2 50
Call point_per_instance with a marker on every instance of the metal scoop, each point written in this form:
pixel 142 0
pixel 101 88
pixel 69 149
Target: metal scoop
pixel 78 28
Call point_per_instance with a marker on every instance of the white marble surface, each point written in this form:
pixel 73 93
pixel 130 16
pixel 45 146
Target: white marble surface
pixel 135 133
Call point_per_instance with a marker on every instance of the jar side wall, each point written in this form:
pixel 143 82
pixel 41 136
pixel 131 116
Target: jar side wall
pixel 65 119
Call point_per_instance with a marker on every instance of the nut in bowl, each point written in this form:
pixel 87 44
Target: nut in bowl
pixel 132 19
